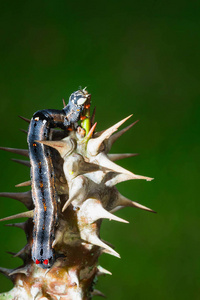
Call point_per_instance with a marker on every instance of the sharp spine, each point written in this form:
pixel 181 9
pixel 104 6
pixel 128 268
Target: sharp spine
pixel 102 271
pixel 21 225
pixel 26 214
pixel 21 253
pixel 22 270
pixel 25 119
pixel 125 202
pixel 90 133
pixel 109 244
pixel 94 145
pixel 64 147
pixel 98 293
pixel 11 253
pixel 63 100
pixel 93 116
pixel 23 152
pixel 114 157
pixel 56 241
pixel 105 162
pixel 24 197
pixel 26 183
pixel 92 210
pixel 24 131
pixel 77 184
pixel 117 135
pixel 5 271
pixel 22 162
pixel 94 240
pixel 116 178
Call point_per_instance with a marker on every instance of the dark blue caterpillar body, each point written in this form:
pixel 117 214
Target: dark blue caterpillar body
pixel 42 174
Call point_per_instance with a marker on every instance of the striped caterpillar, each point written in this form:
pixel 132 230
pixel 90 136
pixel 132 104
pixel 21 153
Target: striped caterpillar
pixel 44 194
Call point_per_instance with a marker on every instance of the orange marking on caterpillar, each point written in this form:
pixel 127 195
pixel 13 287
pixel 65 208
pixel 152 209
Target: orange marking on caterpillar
pixel 44 204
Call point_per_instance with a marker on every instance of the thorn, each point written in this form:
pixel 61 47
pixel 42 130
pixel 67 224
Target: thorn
pixel 46 272
pixel 22 270
pixel 24 197
pixel 21 225
pixel 102 271
pixel 26 183
pixel 104 161
pixel 94 144
pixel 94 240
pixel 115 178
pixel 117 135
pixel 64 104
pixel 22 162
pixel 5 271
pixel 92 210
pixel 108 252
pixel 114 157
pixel 26 214
pixel 67 203
pixel 64 147
pixel 90 133
pixel 80 183
pixel 59 233
pixel 125 202
pixel 21 253
pixel 15 150
pixel 25 119
pixel 93 116
pixel 24 131
pixel 98 293
pixel 55 242
pixel 89 234
pixel 109 244
pixel 11 253
pixel 84 90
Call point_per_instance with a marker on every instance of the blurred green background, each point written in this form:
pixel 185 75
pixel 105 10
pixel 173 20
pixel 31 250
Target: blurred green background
pixel 139 57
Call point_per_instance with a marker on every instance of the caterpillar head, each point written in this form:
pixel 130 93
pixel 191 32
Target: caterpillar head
pixel 79 98
pixel 77 103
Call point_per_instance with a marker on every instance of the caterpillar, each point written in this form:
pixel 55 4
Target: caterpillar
pixel 43 189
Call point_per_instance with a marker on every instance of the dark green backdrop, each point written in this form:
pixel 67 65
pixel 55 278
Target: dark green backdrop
pixel 139 57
